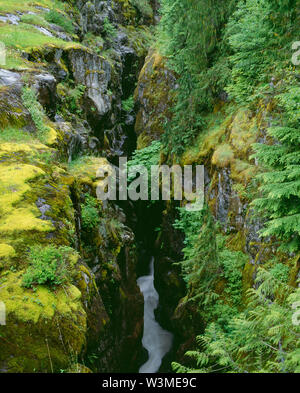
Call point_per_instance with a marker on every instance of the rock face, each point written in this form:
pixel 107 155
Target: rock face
pixel 154 96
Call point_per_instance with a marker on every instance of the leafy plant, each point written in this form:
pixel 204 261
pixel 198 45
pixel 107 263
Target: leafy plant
pixel 263 338
pixel 47 266
pixel 188 36
pixel 90 213
pixel 128 104
pixel 109 29
pixel 35 109
pixel 279 201
pixel 73 98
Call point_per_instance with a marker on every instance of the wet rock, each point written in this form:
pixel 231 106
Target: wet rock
pixel 73 139
pixel 12 111
pixel 44 31
pixel 8 78
pixel 10 18
pixel 93 13
pixel 94 143
pixel 223 196
pixel 95 73
pixel 45 85
pixel 154 96
pixel 43 207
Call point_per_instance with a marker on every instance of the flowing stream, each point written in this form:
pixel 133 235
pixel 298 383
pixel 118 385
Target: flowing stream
pixel 156 340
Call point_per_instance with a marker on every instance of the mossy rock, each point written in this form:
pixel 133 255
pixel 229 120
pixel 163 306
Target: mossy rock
pixel 85 170
pixel 243 132
pixel 12 110
pixel 223 156
pixel 249 273
pixel 44 329
pixel 155 95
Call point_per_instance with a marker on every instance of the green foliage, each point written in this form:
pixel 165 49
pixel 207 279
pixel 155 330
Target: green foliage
pixel 74 97
pixel 58 18
pixel 263 338
pixel 232 263
pixel 48 266
pixel 207 260
pixel 90 213
pixel 259 34
pixel 189 34
pixel 211 56
pixel 239 47
pixel 35 109
pixel 279 200
pixel 147 157
pixel 143 6
pixel 109 29
pixel 280 272
pixel 200 266
pixel 14 135
pixel 251 36
pixel 128 104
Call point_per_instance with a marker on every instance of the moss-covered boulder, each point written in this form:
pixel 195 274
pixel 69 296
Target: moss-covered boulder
pixel 154 95
pixel 45 329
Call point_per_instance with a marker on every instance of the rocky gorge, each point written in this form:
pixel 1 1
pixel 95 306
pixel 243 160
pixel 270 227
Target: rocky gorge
pixel 83 84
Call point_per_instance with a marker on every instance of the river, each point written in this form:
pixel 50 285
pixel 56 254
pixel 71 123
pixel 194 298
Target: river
pixel 156 340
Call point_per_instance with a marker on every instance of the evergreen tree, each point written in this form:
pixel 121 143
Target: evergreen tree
pixel 189 37
pixel 263 338
pixel 279 203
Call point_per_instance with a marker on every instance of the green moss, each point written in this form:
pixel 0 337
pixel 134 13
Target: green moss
pixel 157 98
pixel 11 134
pixel 6 251
pixel 222 156
pixel 43 328
pixel 127 11
pixel 14 185
pixel 207 141
pixel 58 18
pixel 248 278
pixel 85 168
pixel 243 132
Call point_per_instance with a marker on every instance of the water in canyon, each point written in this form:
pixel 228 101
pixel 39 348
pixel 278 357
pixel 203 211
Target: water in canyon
pixel 156 340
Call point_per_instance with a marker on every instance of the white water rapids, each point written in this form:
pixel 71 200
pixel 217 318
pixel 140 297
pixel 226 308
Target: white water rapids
pixel 156 340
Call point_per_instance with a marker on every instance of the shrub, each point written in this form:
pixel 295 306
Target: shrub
pixel 128 104
pixel 48 266
pixel 74 97
pixel 89 213
pixel 35 109
pixel 109 28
